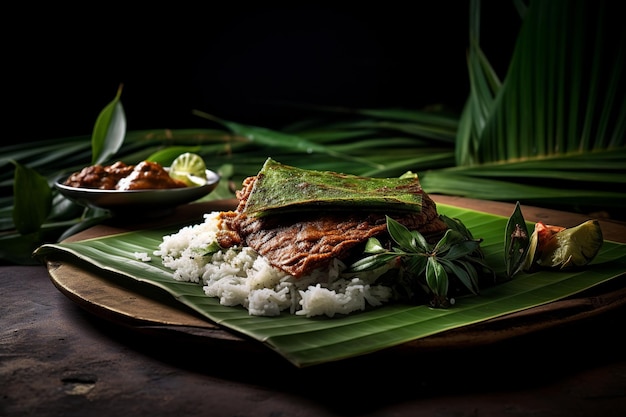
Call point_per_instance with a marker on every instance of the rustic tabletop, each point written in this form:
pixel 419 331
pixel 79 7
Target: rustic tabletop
pixel 57 358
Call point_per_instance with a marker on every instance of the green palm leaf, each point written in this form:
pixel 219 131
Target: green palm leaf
pixel 109 130
pixel 305 342
pixel 555 129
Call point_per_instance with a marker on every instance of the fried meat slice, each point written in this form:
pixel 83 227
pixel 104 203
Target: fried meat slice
pixel 299 243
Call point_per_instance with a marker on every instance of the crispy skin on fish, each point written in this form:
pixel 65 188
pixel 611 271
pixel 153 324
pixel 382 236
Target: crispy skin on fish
pixel 297 243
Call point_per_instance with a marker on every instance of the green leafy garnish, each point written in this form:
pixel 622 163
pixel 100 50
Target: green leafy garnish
pixel 424 269
pixel 212 249
pixel 109 131
pixel 516 241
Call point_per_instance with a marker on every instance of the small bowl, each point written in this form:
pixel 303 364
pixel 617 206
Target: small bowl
pixel 150 202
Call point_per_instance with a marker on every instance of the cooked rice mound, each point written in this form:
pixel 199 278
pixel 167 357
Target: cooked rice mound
pixel 239 276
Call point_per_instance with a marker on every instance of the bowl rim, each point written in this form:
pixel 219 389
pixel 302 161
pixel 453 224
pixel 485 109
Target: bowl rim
pixel 212 179
pixel 149 199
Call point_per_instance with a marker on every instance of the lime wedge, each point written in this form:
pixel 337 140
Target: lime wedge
pixel 189 168
pixel 554 246
pixel 576 246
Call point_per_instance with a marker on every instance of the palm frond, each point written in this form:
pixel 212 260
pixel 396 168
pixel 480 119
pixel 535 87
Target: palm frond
pixel 556 124
pixel 564 92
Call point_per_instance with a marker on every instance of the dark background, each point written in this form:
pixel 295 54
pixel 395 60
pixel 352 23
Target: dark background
pixel 238 61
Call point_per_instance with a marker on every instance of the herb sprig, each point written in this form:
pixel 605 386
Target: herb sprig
pixel 427 268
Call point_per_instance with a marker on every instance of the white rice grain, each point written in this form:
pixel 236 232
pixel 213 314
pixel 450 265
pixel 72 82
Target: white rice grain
pixel 239 276
pixel 142 256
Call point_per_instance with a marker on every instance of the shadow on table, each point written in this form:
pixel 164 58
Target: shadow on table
pixel 394 375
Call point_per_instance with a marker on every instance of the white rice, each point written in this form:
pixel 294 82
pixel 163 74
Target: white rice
pixel 142 256
pixel 239 276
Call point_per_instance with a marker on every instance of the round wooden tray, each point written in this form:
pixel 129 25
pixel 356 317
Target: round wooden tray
pixel 145 313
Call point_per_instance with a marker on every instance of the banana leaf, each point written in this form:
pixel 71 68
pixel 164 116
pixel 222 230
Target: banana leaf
pixel 282 188
pixel 311 341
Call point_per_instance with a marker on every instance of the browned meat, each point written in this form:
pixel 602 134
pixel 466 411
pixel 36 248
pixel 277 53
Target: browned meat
pixel 148 175
pixel 299 243
pixel 145 175
pixel 98 176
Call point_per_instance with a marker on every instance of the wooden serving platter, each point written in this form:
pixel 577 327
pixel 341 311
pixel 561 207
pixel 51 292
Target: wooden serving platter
pixel 114 302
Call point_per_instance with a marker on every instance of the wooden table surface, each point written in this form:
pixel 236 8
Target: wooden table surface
pixel 57 359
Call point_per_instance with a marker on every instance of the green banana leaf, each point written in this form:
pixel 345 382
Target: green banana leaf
pixel 282 188
pixel 312 341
